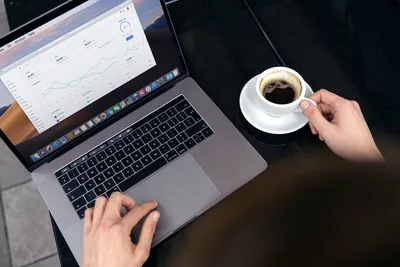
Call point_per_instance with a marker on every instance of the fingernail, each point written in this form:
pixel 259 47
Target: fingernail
pixel 304 105
pixel 156 216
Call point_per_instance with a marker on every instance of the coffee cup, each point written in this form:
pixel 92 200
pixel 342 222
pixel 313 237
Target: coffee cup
pixel 280 91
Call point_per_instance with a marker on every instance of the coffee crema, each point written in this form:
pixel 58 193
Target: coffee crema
pixel 280 88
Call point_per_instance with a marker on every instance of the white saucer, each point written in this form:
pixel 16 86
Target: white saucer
pixel 263 122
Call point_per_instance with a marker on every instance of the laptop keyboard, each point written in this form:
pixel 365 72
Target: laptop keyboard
pixel 133 154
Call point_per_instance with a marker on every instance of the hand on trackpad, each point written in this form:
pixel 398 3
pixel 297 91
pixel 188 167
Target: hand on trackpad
pixel 182 190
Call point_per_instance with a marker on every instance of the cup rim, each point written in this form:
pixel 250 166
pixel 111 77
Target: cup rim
pixel 302 82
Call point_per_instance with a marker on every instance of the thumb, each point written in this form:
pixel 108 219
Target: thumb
pixel 315 117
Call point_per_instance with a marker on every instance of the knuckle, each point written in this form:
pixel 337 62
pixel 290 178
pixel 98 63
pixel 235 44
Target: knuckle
pixel 144 253
pixel 314 112
pixel 355 104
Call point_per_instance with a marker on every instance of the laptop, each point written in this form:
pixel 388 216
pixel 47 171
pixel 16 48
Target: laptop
pixel 95 98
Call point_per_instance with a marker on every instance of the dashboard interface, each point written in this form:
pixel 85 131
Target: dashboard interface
pixel 68 75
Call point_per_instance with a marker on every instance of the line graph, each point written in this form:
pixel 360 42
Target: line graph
pixel 137 47
pixel 76 82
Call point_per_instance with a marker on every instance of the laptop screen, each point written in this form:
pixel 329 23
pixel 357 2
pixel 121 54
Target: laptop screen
pixel 68 76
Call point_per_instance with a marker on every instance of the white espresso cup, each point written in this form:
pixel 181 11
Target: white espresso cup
pixel 289 76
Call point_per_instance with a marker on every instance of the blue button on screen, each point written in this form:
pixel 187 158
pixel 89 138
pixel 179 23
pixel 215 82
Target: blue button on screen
pixel 129 37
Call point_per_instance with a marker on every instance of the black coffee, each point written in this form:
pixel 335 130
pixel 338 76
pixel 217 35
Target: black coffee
pixel 279 92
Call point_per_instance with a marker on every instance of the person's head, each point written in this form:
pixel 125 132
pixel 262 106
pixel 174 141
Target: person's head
pixel 321 211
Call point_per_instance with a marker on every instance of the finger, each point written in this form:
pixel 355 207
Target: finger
pixel 326 97
pixel 117 200
pixel 136 214
pixel 313 130
pixel 98 211
pixel 321 138
pixel 315 117
pixel 87 222
pixel 143 247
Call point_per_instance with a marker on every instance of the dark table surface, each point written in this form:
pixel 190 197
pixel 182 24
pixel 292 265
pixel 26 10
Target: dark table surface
pixel 347 46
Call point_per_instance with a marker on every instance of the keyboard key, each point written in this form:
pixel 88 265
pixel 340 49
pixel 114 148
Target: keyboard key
pixel 182 137
pixel 154 144
pixel 83 167
pixel 146 138
pixel 172 133
pixel 207 132
pixel 154 123
pixel 182 105
pixel 128 172
pixel 173 143
pixel 63 179
pixel 156 165
pixel 127 161
pixel 137 166
pixel 136 155
pixel 81 212
pixel 163 138
pixel 101 166
pixel 99 179
pixel 164 148
pixel 145 149
pixel 101 156
pixel 92 172
pixel 137 133
pixel 83 178
pixel 91 204
pixel 171 155
pixel 181 149
pixel 181 116
pixel 145 128
pixel 138 143
pixel 128 139
pixel 146 160
pixel 99 190
pixel 109 173
pixel 199 139
pixel 199 134
pixel 110 150
pixel 91 162
pixel 181 127
pixel 155 133
pixel 73 173
pixel 112 190
pixel 109 183
pixel 129 149
pixel 155 154
pixel 110 160
pixel 190 143
pixel 193 113
pixel 189 122
pixel 77 193
pixel 118 178
pixel 119 155
pixel 196 128
pixel 79 203
pixel 163 117
pixel 164 127
pixel 119 145
pixel 90 185
pixel 173 121
pixel 118 167
pixel 90 196
pixel 68 187
pixel 171 112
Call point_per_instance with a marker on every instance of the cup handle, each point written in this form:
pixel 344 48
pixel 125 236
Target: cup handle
pixel 298 109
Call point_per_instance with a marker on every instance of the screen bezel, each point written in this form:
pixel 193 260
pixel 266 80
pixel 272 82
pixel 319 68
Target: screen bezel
pixel 52 14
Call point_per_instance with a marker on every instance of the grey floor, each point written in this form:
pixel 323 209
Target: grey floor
pixel 26 237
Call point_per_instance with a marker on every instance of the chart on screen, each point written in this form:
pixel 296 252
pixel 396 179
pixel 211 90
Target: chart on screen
pixel 82 68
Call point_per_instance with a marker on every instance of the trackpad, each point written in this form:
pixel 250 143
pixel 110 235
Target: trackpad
pixel 182 189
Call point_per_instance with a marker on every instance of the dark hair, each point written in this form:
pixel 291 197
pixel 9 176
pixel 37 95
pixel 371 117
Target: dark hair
pixel 318 211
